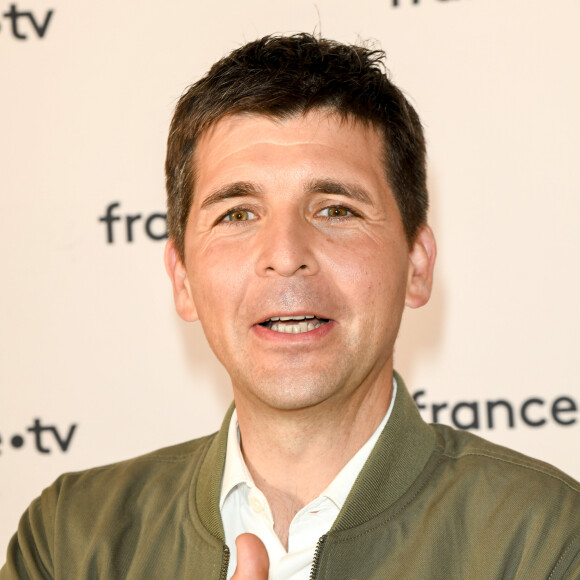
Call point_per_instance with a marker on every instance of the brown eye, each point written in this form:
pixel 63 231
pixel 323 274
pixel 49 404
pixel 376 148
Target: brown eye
pixel 335 211
pixel 239 215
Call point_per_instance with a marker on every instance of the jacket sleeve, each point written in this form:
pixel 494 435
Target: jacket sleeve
pixel 29 550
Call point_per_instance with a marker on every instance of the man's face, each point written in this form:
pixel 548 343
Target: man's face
pixel 296 260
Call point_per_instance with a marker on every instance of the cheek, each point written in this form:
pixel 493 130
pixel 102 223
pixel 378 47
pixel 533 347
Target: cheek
pixel 219 280
pixel 372 274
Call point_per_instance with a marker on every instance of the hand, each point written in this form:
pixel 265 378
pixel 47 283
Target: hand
pixel 253 561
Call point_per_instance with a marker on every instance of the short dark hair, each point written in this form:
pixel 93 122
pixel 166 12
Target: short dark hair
pixel 284 76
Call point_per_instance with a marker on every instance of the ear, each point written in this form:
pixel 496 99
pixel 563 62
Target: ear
pixel 421 264
pixel 182 295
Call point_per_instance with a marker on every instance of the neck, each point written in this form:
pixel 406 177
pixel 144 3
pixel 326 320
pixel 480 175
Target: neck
pixel 293 455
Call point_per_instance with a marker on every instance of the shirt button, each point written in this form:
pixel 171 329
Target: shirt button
pixel 256 504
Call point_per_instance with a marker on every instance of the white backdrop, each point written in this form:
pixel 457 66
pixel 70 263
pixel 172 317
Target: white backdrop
pixel 88 335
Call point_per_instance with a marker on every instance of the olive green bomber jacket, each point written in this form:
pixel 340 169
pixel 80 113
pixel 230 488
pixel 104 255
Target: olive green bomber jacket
pixel 430 503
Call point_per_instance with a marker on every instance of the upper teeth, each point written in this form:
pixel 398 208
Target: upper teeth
pixel 294 327
pixel 305 317
pixel 294 324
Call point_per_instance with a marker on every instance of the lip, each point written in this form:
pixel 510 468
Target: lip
pixel 279 314
pixel 265 333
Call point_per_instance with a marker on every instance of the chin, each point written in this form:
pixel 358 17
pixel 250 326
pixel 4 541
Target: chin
pixel 292 393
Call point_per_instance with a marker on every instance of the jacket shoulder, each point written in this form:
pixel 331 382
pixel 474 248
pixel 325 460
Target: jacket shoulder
pixel 468 450
pixel 169 466
pixel 73 527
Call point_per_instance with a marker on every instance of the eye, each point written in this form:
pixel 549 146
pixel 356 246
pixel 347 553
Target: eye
pixel 336 211
pixel 239 215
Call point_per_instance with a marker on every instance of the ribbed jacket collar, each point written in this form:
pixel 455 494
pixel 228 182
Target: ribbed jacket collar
pixel 397 460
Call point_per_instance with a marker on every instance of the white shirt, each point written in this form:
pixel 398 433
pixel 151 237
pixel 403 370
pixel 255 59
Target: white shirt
pixel 244 508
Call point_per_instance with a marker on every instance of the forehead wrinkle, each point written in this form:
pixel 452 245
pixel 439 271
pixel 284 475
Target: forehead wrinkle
pixel 222 130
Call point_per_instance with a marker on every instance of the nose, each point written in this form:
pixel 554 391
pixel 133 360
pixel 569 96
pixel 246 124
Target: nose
pixel 286 247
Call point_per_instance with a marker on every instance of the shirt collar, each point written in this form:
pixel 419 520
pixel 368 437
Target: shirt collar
pixel 236 472
pixel 235 469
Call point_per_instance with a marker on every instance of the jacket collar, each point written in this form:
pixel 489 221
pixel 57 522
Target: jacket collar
pixel 399 457
pixel 209 480
pixel 401 453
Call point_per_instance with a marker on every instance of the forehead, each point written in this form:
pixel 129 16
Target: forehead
pixel 317 140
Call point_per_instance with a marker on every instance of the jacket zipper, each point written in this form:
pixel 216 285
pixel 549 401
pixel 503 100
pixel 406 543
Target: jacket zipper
pixel 313 571
pixel 316 561
pixel 225 563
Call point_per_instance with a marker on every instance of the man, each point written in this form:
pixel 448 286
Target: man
pixel 297 215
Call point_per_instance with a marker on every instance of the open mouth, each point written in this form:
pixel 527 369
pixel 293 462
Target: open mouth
pixel 294 324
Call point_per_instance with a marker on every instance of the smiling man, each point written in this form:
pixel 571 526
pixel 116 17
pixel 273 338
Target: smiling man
pixel 296 262
pixel 297 215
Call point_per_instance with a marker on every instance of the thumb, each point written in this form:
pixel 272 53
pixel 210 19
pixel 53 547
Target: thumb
pixel 253 561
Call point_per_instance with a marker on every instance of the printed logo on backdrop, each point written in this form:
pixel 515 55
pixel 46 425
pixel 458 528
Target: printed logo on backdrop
pixel 534 412
pixel 41 438
pixel 25 24
pixel 125 227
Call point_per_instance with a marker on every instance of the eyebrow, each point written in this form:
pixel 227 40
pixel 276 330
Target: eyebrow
pixel 338 188
pixel 245 189
pixel 229 191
